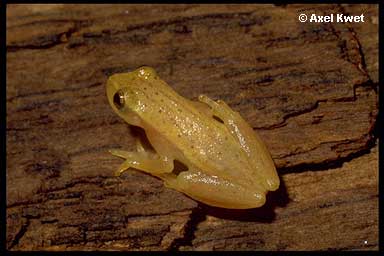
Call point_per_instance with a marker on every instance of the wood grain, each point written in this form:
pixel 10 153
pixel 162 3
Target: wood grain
pixel 327 210
pixel 309 90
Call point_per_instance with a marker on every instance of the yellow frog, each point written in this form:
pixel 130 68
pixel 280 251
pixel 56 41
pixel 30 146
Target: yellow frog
pixel 228 164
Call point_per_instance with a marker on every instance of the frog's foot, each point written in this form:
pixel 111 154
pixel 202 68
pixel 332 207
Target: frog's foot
pixel 144 161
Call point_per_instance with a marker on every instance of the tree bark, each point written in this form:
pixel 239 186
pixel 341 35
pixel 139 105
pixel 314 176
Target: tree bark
pixel 308 89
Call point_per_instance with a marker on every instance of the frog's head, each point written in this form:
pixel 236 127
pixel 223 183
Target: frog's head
pixel 124 91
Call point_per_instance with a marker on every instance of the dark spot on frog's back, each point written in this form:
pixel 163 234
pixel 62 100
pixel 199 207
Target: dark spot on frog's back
pixel 218 119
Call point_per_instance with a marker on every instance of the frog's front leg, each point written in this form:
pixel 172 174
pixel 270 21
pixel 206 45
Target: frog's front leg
pixel 144 161
pixel 248 139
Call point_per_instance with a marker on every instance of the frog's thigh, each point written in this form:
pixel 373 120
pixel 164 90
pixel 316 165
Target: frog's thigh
pixel 204 108
pixel 216 191
pixel 219 108
pixel 143 161
pixel 249 140
pixel 232 120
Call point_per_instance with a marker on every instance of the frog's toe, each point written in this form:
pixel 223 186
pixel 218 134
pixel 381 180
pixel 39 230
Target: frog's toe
pixel 259 200
pixel 120 153
pixel 273 183
pixel 123 167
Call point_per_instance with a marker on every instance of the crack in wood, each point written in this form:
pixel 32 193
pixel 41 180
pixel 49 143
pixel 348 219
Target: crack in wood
pixel 19 234
pixel 197 216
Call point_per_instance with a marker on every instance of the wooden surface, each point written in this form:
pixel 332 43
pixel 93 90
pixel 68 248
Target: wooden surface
pixel 308 89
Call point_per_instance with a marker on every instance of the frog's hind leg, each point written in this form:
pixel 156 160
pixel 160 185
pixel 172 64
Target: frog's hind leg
pixel 144 161
pixel 231 119
pixel 215 191
pixel 234 122
pixel 202 107
pixel 248 139
pixel 219 108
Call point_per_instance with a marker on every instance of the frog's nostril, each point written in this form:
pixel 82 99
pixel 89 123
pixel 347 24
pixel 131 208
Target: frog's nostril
pixel 118 99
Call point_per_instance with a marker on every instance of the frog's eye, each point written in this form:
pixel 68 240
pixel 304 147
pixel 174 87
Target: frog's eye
pixel 119 100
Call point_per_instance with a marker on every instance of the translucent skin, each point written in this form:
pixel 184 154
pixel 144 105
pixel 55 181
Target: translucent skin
pixel 228 164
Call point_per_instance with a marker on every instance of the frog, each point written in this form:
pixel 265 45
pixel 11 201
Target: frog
pixel 227 163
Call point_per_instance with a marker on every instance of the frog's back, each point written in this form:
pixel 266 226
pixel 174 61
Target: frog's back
pixel 204 142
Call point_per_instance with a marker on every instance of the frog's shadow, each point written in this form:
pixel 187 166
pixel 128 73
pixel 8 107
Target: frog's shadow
pixel 264 214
